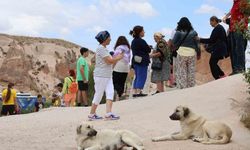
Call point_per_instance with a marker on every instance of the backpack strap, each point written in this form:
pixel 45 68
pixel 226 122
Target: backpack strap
pixel 70 79
pixel 68 85
pixel 183 40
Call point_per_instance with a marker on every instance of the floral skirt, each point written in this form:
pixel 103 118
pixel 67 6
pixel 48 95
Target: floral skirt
pixel 185 73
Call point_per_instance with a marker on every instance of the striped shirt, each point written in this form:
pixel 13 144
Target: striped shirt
pixel 102 69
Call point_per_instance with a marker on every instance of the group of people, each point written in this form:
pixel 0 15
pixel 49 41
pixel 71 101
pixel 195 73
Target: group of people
pixel 173 60
pixel 181 51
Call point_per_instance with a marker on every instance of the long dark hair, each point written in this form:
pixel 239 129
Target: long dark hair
pixel 121 41
pixel 136 31
pixel 184 25
pixel 10 85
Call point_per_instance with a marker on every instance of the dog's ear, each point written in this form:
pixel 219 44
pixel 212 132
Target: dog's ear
pixel 78 129
pixel 186 111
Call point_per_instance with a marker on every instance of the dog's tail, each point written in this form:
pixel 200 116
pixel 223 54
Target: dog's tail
pixel 225 139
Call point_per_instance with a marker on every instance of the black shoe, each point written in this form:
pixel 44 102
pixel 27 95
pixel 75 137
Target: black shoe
pixel 141 95
pixel 236 72
pixel 156 92
pixel 135 95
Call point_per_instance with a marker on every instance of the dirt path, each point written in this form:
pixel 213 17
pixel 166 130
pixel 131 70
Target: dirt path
pixel 55 128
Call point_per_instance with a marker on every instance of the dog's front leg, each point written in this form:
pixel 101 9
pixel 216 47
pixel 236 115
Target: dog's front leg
pixel 162 138
pixel 127 148
pixel 79 148
pixel 179 136
pixel 173 136
pixel 97 147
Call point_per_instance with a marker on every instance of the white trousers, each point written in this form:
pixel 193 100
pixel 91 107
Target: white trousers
pixel 103 85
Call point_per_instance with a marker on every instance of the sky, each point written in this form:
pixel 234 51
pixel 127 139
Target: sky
pixel 78 21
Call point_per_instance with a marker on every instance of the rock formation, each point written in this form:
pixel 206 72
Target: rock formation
pixel 35 65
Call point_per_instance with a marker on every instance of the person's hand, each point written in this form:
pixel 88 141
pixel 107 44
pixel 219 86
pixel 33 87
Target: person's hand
pixel 151 55
pixel 119 56
pixel 197 38
pixel 224 19
pixel 226 16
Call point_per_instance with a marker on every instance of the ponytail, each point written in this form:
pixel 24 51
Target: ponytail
pixel 136 31
pixel 10 85
pixel 216 19
pixel 131 32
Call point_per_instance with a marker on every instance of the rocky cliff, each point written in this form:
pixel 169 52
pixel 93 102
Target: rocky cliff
pixel 35 64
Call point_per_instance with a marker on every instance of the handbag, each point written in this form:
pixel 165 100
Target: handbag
pixel 156 64
pixel 137 59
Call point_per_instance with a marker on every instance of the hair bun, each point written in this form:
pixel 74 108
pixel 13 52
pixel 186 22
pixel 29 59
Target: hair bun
pixel 131 32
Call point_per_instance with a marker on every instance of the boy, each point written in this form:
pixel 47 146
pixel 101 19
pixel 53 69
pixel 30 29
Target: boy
pixel 39 103
pixel 82 70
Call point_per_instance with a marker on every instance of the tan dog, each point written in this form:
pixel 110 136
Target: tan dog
pixel 89 139
pixel 197 128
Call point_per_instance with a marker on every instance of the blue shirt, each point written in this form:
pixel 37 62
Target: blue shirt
pixel 140 48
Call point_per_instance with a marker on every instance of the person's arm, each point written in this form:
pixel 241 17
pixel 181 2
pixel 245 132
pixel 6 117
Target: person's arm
pixel 82 72
pixel 157 54
pixel 118 51
pixel 213 37
pixel 15 102
pixel 176 39
pixel 109 60
pixel 146 47
pixel 197 48
pixel 226 17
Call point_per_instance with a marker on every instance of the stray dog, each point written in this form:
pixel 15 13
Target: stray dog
pixel 89 139
pixel 197 128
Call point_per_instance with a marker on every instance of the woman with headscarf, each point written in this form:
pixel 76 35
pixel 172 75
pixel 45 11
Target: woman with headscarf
pixel 161 54
pixel 218 46
pixel 10 104
pixel 103 77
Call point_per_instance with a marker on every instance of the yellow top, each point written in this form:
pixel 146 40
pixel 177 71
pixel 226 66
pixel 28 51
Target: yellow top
pixel 11 101
pixel 186 51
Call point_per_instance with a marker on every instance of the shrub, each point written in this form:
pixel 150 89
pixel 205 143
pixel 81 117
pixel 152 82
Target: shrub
pixel 244 107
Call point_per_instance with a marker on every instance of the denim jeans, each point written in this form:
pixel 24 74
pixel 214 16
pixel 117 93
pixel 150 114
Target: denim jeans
pixel 238 45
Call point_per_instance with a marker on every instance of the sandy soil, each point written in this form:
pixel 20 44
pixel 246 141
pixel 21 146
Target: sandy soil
pixel 55 128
